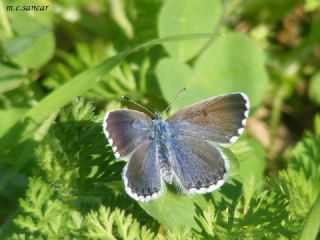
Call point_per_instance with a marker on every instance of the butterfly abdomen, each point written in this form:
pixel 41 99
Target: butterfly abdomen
pixel 163 137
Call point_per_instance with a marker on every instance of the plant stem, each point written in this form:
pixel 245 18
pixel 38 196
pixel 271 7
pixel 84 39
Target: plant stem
pixel 276 114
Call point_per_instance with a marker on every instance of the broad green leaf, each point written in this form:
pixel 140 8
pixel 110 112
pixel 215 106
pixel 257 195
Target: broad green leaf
pixel 174 210
pixel 33 44
pixel 312 224
pixel 173 76
pixel 233 63
pixel 43 17
pixel 25 50
pixel 188 17
pixel 10 77
pixel 251 156
pixel 314 88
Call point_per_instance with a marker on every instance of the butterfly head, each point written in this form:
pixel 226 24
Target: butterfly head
pixel 156 116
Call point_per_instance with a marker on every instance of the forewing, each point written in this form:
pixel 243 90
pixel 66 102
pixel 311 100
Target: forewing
pixel 219 119
pixel 141 175
pixel 199 167
pixel 126 130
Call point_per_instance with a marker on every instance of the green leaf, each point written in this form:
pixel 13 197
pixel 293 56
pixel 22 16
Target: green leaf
pixel 208 221
pixel 107 224
pixel 233 63
pixel 40 214
pixel 9 117
pixel 312 224
pixel 314 88
pixel 52 102
pixel 19 141
pixel 33 44
pixel 173 209
pixel 299 191
pixel 174 75
pixel 119 15
pixel 306 157
pixel 251 156
pixel 10 77
pixel 25 50
pixel 265 218
pixel 188 17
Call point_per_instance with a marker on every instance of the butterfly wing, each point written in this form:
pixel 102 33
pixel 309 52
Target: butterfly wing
pixel 126 130
pixel 141 175
pixel 199 167
pixel 219 119
pixel 130 132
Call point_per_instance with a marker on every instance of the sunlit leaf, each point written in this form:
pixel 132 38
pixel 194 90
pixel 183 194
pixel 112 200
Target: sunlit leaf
pixel 233 63
pixel 188 17
pixel 10 77
pixel 33 43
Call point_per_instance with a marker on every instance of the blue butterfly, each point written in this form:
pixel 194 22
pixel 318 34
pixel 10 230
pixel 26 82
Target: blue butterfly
pixel 181 150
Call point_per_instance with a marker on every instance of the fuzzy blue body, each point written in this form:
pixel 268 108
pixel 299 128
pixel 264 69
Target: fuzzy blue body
pixel 163 137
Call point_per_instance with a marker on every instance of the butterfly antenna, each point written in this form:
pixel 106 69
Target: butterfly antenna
pixel 137 104
pixel 175 98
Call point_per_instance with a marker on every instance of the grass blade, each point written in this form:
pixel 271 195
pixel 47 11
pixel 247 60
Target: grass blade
pixel 312 223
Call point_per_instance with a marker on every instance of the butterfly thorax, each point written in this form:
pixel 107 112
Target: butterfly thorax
pixel 164 139
pixel 161 131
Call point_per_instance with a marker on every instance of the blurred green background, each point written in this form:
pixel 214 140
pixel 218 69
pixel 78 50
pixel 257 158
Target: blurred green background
pixel 62 68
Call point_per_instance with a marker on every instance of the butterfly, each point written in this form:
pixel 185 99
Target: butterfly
pixel 183 150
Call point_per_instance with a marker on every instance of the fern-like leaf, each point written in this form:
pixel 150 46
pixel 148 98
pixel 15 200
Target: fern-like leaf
pixel 107 224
